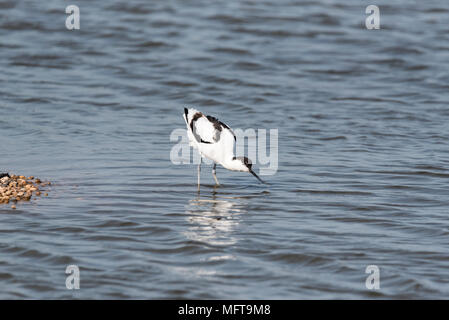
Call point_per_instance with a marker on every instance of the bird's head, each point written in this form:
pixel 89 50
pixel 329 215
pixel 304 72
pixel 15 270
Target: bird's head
pixel 244 164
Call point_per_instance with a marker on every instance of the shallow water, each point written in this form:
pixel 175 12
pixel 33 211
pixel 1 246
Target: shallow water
pixel 363 149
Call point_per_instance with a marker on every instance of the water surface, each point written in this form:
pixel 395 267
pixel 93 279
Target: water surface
pixel 363 149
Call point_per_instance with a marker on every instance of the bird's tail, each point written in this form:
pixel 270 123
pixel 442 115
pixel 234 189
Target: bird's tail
pixel 188 114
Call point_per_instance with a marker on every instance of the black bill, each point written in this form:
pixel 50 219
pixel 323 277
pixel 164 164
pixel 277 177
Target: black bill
pixel 254 174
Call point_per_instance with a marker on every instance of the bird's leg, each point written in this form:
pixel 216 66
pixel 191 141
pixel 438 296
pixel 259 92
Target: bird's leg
pixel 213 174
pixel 199 174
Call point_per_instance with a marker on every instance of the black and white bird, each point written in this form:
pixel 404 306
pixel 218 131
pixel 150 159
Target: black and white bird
pixel 215 141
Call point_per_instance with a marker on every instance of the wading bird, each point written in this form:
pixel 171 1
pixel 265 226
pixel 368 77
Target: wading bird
pixel 215 141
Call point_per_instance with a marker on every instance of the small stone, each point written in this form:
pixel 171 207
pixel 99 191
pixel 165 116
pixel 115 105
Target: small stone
pixel 2 175
pixel 13 207
pixel 14 188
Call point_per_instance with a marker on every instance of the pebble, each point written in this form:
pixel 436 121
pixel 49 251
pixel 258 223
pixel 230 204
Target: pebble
pixel 14 188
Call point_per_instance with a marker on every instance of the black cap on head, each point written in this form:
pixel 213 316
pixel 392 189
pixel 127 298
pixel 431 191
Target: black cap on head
pixel 247 162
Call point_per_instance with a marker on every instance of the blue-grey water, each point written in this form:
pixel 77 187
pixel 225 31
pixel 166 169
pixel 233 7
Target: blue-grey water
pixel 363 153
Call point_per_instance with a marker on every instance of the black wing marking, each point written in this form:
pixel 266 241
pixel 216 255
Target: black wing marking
pixel 210 129
pixel 218 125
pixel 195 117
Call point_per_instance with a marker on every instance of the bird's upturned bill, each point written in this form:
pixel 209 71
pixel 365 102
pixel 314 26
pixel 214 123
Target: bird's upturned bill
pixel 254 174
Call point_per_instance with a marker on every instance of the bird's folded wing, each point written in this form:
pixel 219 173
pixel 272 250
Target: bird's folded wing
pixel 204 131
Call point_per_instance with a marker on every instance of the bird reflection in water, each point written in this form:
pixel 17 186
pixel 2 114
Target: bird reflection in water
pixel 213 220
